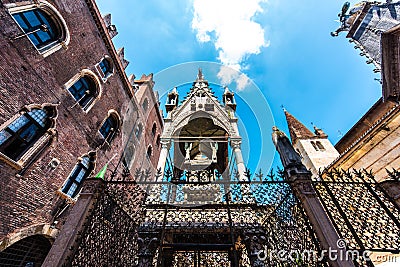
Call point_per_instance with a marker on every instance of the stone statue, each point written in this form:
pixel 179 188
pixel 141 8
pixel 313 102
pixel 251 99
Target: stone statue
pixel 289 156
pixel 188 148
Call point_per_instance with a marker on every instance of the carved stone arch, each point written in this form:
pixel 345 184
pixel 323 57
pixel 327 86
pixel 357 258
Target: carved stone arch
pixel 178 124
pixel 92 155
pixel 115 114
pixel 56 18
pixel 94 78
pixel 42 140
pixel 38 229
pixel 47 106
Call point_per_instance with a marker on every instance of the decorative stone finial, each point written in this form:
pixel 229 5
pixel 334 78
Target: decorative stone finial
pixel 200 75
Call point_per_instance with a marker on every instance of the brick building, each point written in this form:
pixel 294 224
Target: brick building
pixel 66 110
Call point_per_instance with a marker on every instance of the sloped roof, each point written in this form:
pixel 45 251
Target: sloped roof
pixel 297 129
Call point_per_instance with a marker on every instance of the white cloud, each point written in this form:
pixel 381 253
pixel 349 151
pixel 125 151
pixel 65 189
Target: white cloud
pixel 242 82
pixel 227 75
pixel 230 25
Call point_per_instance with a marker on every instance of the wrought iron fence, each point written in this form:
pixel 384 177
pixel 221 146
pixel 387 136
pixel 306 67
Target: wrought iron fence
pixel 248 223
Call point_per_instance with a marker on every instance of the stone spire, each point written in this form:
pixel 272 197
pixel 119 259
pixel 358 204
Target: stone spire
pixel 297 129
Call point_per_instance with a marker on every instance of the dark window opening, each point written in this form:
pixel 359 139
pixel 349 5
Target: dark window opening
pixel 314 145
pixel 154 129
pixel 149 151
pixel 109 128
pixel 106 67
pixel 84 91
pixel 39 27
pixel 320 146
pixel 80 172
pixel 23 132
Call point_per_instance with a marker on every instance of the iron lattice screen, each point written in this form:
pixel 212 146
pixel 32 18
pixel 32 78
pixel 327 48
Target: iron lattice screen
pixel 247 224
pixel 109 236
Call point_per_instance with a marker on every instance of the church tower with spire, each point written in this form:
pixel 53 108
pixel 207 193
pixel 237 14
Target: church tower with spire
pixel 315 149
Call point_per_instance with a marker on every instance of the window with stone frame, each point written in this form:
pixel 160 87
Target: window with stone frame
pixel 24 131
pixel 81 171
pixel 320 146
pixel 84 91
pixel 110 127
pixel 154 129
pixel 42 24
pixel 105 68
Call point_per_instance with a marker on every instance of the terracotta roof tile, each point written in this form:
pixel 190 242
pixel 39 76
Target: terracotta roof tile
pixel 297 129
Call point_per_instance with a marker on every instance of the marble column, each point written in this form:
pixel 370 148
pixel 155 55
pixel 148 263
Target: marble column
pixel 165 145
pixel 236 146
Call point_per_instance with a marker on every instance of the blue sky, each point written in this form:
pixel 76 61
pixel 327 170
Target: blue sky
pixel 295 62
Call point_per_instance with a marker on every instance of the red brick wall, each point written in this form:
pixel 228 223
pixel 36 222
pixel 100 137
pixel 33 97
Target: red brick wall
pixel 26 77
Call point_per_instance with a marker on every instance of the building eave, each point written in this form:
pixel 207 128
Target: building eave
pixel 366 135
pixel 98 19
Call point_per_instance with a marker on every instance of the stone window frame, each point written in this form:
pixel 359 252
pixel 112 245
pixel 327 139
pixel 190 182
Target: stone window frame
pixel 56 17
pixel 39 145
pixel 105 76
pixel 75 78
pixel 92 156
pixel 115 114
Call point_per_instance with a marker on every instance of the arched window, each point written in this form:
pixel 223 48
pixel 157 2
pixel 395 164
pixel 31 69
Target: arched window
pixel 81 171
pixel 320 146
pixel 42 24
pixel 145 104
pixel 23 132
pixel 105 68
pixel 138 131
pixel 154 129
pixel 110 127
pixel 149 151
pixel 314 145
pixel 84 91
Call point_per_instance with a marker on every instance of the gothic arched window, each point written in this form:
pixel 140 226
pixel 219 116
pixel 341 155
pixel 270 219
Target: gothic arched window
pixel 84 90
pixel 110 127
pixel 42 24
pixel 25 130
pixel 154 129
pixel 320 146
pixel 81 171
pixel 149 151
pixel 314 145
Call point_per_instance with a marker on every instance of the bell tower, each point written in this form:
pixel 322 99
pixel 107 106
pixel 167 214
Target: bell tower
pixel 201 140
pixel 316 151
